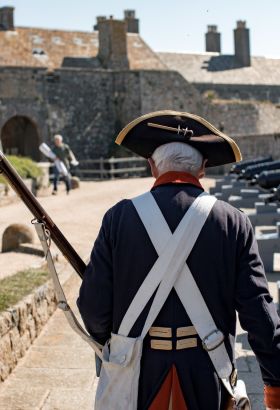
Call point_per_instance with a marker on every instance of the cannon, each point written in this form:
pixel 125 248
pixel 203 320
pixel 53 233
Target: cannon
pixel 252 170
pixel 237 168
pixel 267 179
pixel 274 196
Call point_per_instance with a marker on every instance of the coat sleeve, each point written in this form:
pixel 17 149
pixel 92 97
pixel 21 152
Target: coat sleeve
pixel 257 312
pixel 71 155
pixel 95 298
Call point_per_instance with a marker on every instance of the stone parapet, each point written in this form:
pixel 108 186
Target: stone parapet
pixel 44 180
pixel 21 324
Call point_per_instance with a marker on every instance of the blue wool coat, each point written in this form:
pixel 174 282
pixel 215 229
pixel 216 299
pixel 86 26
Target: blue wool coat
pixel 228 270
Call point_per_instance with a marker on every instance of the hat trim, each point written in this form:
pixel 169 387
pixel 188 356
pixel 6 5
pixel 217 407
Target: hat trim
pixel 121 136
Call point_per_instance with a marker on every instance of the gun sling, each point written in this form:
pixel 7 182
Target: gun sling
pixel 192 299
pixel 44 237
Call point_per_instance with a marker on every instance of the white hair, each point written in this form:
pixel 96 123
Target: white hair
pixel 58 137
pixel 177 156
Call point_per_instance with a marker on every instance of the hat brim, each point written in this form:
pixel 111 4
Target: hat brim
pixel 143 139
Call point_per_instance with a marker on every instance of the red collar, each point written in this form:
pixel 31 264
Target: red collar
pixel 174 177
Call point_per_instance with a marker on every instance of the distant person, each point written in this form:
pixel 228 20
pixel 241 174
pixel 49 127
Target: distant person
pixel 66 156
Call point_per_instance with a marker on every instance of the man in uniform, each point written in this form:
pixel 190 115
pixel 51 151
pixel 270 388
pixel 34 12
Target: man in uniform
pixel 224 262
pixel 65 155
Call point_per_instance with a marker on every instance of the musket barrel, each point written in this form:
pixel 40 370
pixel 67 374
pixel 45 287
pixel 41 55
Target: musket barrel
pixel 40 214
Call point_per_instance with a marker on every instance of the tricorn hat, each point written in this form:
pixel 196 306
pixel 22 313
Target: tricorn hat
pixel 144 134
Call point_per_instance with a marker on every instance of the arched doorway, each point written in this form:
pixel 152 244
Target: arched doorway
pixel 20 136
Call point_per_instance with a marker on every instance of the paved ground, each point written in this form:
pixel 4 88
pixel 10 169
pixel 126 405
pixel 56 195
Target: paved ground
pixel 78 215
pixel 57 372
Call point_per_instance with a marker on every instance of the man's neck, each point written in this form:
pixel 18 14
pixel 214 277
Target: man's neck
pixel 177 177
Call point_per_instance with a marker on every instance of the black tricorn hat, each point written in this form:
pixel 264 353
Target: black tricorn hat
pixel 144 134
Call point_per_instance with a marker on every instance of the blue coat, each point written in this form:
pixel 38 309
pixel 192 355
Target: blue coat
pixel 228 270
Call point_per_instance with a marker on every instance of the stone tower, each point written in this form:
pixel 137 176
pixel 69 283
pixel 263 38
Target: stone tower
pixel 132 23
pixel 242 44
pixel 112 44
pixel 7 18
pixel 213 39
pixel 98 19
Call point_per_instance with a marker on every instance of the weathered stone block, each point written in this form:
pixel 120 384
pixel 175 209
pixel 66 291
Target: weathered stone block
pixel 4 371
pixel 14 235
pixel 25 342
pixel 5 346
pixel 21 324
pixel 22 317
pixel 31 327
pixel 15 344
pixel 51 308
pixel 44 180
pixel 14 313
pixel 43 312
pixel 5 323
pixel 7 361
pixel 75 182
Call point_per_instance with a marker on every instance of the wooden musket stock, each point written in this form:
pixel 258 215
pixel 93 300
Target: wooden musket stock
pixel 40 214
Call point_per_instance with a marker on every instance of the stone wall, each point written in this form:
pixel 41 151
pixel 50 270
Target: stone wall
pixel 255 126
pixel 90 106
pixel 21 324
pixel 242 91
pixel 162 90
pixel 234 118
pixel 113 44
pixel 81 108
pixel 253 146
pixel 22 93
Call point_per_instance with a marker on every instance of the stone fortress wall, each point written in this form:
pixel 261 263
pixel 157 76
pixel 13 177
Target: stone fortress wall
pixel 89 107
pixel 21 324
pixel 245 92
pixel 88 100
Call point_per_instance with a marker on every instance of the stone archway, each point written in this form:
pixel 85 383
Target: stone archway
pixel 19 136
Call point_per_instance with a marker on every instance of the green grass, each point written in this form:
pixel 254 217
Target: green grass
pixel 25 167
pixel 16 287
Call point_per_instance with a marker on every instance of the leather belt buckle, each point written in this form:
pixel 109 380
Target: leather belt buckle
pixel 213 340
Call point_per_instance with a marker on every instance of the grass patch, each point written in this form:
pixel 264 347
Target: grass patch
pixel 25 167
pixel 16 287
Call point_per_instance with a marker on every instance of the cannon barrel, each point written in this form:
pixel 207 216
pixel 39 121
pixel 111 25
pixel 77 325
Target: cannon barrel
pixel 252 170
pixel 269 179
pixel 274 197
pixel 237 168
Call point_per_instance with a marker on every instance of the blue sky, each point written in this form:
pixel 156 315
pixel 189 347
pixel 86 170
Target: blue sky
pixel 166 25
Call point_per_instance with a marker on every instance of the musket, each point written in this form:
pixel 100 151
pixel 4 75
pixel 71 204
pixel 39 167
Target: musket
pixel 40 214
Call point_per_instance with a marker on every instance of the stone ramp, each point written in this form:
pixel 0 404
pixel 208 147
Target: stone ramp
pixel 78 215
pixel 58 371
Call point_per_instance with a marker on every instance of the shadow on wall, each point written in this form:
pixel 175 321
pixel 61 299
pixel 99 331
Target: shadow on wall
pixel 221 63
pixel 20 136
